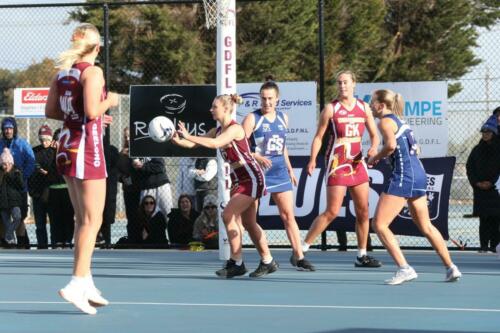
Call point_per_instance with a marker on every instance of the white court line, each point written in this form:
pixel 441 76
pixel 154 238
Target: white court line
pixel 289 306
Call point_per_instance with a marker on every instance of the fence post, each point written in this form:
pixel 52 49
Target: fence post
pixel 321 41
pixel 105 8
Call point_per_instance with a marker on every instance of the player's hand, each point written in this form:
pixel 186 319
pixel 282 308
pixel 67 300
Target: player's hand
pixel 265 163
pixel 371 161
pixel 293 178
pixel 310 167
pixel 107 119
pixel 371 152
pixel 182 132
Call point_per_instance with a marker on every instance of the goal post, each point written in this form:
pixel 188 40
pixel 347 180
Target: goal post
pixel 221 14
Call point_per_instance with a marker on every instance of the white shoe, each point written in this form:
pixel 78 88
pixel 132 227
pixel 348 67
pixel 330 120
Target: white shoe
pixel 402 275
pixel 95 298
pixel 453 274
pixel 78 297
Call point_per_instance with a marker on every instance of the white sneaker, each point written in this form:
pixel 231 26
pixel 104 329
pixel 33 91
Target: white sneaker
pixel 78 297
pixel 453 274
pixel 95 298
pixel 402 275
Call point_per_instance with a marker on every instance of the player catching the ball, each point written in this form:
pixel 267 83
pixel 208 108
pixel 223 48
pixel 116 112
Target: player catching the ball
pixel 248 185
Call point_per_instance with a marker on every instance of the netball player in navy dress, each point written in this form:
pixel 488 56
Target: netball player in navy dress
pixel 248 185
pixel 266 129
pixel 407 184
pixel 77 97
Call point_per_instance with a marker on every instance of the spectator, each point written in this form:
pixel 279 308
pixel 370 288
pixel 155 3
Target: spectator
pixel 111 155
pixel 206 226
pixel 205 180
pixel 24 160
pixel 38 183
pixel 11 196
pixel 151 177
pixel 181 222
pixel 483 168
pixel 153 224
pixel 184 183
pixel 61 213
pixel 131 190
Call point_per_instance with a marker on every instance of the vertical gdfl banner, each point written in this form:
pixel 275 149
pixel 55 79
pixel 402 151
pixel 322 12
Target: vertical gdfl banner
pixel 426 108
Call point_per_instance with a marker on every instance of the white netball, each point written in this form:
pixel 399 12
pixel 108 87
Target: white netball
pixel 161 129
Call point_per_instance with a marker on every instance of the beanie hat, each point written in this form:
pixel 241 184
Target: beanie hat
pixel 496 111
pixel 8 123
pixel 490 125
pixel 210 200
pixel 45 132
pixel 6 156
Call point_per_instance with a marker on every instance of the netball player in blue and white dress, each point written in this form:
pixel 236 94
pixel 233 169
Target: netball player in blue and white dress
pixel 267 128
pixel 407 184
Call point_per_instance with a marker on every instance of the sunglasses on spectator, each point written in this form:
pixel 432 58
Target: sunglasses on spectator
pixel 149 202
pixel 211 207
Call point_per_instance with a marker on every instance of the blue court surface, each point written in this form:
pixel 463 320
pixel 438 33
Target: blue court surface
pixel 175 291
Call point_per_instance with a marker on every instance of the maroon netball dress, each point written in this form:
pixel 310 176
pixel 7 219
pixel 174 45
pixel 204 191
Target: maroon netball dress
pixel 247 176
pixel 80 153
pixel 345 165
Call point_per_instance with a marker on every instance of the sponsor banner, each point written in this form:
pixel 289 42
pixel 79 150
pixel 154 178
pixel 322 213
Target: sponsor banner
pixel 30 102
pixel 189 104
pixel 310 198
pixel 298 101
pixel 426 108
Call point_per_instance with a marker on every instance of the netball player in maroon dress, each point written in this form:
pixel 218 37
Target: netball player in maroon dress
pixel 77 97
pixel 248 186
pixel 346 119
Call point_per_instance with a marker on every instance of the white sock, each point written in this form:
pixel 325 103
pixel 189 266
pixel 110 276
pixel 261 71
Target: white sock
pixel 305 247
pixel 89 281
pixel 267 260
pixel 238 262
pixel 405 266
pixel 361 252
pixel 77 280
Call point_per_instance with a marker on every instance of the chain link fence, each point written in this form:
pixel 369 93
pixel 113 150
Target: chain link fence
pixel 33 36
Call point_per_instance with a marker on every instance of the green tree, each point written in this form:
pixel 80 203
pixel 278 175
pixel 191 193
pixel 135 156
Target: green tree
pixel 152 44
pixel 34 76
pixel 433 40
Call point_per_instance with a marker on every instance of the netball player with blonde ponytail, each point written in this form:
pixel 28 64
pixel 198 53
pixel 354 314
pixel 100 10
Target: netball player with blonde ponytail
pixel 77 97
pixel 407 184
pixel 248 185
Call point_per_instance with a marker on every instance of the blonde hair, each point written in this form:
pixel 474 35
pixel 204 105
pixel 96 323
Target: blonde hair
pixel 230 100
pixel 82 43
pixel 393 101
pixel 348 72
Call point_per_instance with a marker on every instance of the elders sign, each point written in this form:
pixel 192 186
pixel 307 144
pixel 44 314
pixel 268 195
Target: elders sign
pixel 30 102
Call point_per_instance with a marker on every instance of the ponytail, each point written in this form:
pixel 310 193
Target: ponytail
pixel 398 106
pixel 82 44
pixel 230 100
pixel 393 101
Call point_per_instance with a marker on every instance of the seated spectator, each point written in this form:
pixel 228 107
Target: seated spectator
pixel 181 222
pixel 11 196
pixel 206 226
pixel 153 224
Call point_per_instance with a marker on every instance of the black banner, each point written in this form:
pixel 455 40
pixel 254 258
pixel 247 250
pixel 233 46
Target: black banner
pixel 189 104
pixel 310 198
